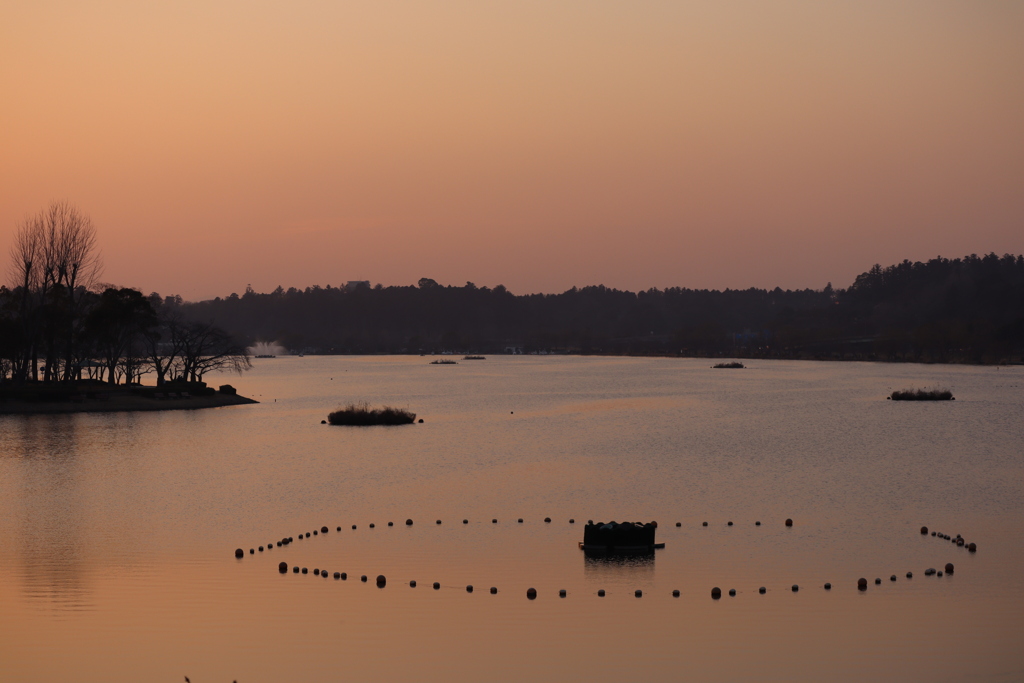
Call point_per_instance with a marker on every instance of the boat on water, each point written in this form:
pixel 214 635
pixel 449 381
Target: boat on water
pixel 444 361
pixel 624 537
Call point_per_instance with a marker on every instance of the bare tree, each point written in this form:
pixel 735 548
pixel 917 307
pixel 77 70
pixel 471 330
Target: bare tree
pixel 206 347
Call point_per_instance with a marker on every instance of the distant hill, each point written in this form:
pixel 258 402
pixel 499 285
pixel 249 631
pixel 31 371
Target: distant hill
pixel 943 310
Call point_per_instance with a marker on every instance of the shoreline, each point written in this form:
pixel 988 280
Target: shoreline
pixel 121 403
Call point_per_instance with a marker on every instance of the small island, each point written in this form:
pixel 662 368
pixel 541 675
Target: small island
pixel 70 344
pixel 362 415
pixel 734 365
pixel 922 395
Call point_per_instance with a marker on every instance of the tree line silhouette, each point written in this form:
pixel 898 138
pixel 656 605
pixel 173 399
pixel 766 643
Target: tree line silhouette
pixel 944 310
pixel 58 325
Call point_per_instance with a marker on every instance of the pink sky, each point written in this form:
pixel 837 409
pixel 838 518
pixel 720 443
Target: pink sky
pixel 539 145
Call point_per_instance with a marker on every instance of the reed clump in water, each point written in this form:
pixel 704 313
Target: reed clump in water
pixel 922 395
pixel 362 415
pixel 732 366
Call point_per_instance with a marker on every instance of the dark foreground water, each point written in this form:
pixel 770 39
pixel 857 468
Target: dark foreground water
pixel 118 531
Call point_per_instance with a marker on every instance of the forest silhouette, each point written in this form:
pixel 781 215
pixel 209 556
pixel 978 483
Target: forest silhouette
pixel 944 310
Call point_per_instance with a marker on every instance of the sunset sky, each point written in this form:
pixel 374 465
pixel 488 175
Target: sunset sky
pixel 539 145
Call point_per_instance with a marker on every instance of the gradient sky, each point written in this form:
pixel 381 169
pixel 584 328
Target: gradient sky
pixel 539 145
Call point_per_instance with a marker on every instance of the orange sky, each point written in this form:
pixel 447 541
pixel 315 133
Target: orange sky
pixel 536 144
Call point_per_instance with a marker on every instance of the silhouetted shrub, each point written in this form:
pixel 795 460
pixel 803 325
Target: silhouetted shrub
pixel 361 415
pixel 922 395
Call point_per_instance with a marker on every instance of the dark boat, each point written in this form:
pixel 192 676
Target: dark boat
pixel 624 537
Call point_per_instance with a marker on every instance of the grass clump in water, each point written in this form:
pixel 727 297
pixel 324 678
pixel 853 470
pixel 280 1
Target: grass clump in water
pixel 733 365
pixel 922 395
pixel 362 415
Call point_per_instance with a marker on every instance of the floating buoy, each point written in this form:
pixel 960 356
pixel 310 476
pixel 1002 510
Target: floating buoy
pixel 561 593
pixel 283 567
pixel 316 572
pixel 412 584
pixel 705 524
pixel 337 575
pixel 469 588
pixel 938 573
pixel 959 543
pixel 465 521
pixel 339 528
pixel 600 593
pixel 363 578
pixel 732 592
pixel 892 578
pixel 344 576
pixel 949 567
pixel 261 549
pixel 305 570
pixel 279 544
pixel 572 521
pixel 520 520
pixel 757 523
pixel 638 593
pixel 324 530
pixel 675 594
pixel 381 581
pixel 408 522
pixel 730 523
pixel 372 525
pixel 590 521
pixel 295 570
pixel 933 533
pixel 391 523
pixel 679 523
pixel 252 551
pixel 547 519
pixel 307 534
pixel 762 590
pixel 862 584
pixel 323 422
pixel 494 521
pixel 795 588
pixel 314 533
pixel 973 547
pixel 789 522
pixel 437 522
pixel 421 420
pixel 910 575
pixel 929 571
pixel 437 585
pixel 716 592
pixel 531 593
pixel 353 526
pixel 924 531
pixel 494 590
pixel 239 552
pixel 828 586
pixel 878 582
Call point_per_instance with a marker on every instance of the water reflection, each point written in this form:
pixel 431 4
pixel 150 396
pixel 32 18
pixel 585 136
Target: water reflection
pixel 50 520
pixel 604 565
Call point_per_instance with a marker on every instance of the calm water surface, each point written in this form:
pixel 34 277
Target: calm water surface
pixel 117 531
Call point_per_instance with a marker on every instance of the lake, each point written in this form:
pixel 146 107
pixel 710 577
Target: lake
pixel 118 531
